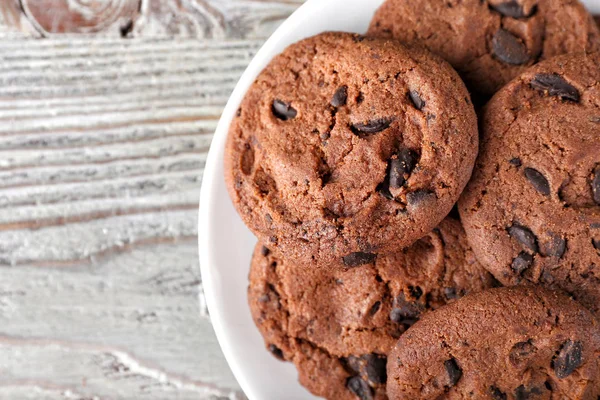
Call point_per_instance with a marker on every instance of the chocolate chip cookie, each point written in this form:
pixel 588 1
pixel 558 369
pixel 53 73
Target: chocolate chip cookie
pixel 506 343
pixel 489 41
pixel 532 209
pixel 345 147
pixel 345 319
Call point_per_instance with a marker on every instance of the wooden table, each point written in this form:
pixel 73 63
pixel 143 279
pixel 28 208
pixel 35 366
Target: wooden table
pixel 107 110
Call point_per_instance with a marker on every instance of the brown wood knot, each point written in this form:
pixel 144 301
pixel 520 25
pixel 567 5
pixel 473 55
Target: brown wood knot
pixel 112 17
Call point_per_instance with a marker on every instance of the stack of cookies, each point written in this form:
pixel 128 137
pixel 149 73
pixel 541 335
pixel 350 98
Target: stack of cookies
pixel 407 248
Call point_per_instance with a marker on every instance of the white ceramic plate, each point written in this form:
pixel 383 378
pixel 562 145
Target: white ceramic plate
pixel 226 244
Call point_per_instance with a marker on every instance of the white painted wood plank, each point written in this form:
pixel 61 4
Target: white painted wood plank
pixel 100 172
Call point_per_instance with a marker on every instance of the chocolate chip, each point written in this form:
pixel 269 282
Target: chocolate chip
pixel 417 101
pixel 596 186
pixel 450 293
pixel 522 262
pixel 453 370
pixel 516 161
pixel 358 258
pixel 568 359
pixel 384 189
pixel 375 368
pixel 283 110
pixel 497 394
pixel 524 236
pixel 556 247
pixel 512 9
pixel 415 291
pixel 404 311
pixel 555 85
pixel 264 251
pixel 401 166
pixel 276 351
pixel 360 98
pixel 521 393
pixel 360 388
pixel 509 48
pixel 340 97
pixel 374 308
pixel 539 181
pixel 521 352
pixel 596 243
pixel 354 364
pixel 364 129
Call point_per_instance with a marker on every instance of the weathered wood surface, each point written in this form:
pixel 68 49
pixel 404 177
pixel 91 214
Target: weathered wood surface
pixel 107 109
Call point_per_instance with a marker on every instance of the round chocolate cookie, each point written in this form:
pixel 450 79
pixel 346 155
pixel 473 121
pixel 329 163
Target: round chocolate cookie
pixel 532 209
pixel 506 343
pixel 345 147
pixel 346 319
pixel 489 41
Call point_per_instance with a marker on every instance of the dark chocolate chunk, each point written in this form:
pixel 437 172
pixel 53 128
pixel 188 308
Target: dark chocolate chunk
pixel 364 129
pixel 283 110
pixel 353 363
pixel 522 393
pixel 340 97
pixel 521 352
pixel 264 251
pixel 568 358
pixel 497 394
pixel 555 85
pixel 453 370
pixel 522 262
pixel 358 258
pixel 374 308
pixel 539 181
pixel 417 101
pixel 450 293
pixel 596 186
pixel 524 236
pixel 516 161
pixel 276 351
pixel 401 166
pixel 596 243
pixel 556 246
pixel 404 311
pixel 415 292
pixel 375 368
pixel 509 48
pixel 512 9
pixel 360 388
pixel 384 188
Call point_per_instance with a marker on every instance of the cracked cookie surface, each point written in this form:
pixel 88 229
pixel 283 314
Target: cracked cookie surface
pixel 505 343
pixel 346 147
pixel 337 324
pixel 532 209
pixel 491 41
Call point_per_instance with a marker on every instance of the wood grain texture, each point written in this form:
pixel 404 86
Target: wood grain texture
pixel 214 19
pixel 102 146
